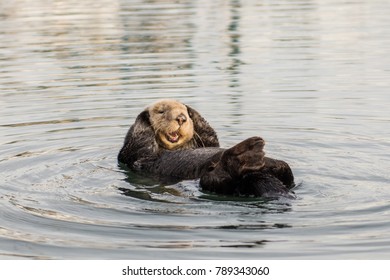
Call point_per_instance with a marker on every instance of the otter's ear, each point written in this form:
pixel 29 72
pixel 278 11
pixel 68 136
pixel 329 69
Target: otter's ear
pixel 205 135
pixel 140 140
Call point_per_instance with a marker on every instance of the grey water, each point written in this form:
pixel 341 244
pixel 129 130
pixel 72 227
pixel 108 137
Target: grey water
pixel 311 77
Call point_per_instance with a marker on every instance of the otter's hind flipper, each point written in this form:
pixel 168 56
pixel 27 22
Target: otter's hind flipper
pixel 279 169
pixel 262 184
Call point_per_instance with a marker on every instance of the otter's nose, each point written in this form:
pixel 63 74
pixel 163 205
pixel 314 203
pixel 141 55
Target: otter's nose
pixel 181 119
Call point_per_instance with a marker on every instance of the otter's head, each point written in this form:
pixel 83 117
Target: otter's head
pixel 171 123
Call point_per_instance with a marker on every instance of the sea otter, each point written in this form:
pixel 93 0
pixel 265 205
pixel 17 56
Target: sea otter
pixel 173 142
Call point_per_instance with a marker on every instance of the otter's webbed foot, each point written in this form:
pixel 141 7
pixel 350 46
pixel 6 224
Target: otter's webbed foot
pixel 226 169
pixel 262 184
pixel 244 170
pixel 246 156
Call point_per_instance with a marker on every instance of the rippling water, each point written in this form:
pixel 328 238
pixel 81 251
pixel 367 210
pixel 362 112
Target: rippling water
pixel 310 76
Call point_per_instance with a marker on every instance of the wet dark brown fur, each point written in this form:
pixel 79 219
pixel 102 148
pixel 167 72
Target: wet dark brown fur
pixel 170 155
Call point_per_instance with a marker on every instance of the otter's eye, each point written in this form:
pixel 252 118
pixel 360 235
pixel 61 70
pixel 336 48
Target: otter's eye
pixel 160 111
pixel 210 168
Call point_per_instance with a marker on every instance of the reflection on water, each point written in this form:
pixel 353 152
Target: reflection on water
pixel 310 76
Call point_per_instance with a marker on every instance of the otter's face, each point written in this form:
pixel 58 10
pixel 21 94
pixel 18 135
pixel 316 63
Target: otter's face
pixel 171 123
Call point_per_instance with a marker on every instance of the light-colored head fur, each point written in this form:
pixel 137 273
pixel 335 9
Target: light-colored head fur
pixel 172 124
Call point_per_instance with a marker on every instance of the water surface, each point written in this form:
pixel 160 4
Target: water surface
pixel 309 76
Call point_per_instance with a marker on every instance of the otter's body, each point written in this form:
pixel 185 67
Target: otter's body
pixel 173 142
